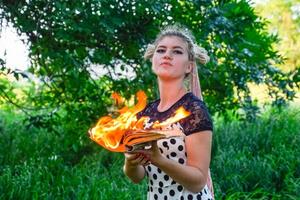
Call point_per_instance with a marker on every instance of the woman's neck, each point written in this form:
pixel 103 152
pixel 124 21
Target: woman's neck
pixel 170 92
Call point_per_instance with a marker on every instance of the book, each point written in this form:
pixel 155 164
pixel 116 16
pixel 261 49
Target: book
pixel 134 140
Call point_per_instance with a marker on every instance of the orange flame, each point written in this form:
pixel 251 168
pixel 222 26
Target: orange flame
pixel 115 134
pixel 180 113
pixel 118 99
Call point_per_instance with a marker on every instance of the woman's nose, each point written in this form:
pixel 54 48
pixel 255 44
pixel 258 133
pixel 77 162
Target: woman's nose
pixel 167 55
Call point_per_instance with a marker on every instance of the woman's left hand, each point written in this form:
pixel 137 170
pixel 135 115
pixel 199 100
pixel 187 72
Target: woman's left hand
pixel 152 153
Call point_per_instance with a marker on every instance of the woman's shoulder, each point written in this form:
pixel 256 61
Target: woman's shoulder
pixel 199 119
pixel 193 103
pixel 149 108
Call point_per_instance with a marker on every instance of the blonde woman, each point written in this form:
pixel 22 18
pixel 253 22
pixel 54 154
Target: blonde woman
pixel 177 168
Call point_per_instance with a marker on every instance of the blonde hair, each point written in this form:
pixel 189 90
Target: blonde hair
pixel 195 52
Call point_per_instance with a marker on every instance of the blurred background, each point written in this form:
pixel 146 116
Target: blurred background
pixel 60 61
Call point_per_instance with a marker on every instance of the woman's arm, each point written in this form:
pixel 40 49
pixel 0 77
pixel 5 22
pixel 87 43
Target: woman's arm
pixel 193 175
pixel 133 166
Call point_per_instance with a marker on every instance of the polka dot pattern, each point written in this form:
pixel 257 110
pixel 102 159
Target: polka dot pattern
pixel 162 186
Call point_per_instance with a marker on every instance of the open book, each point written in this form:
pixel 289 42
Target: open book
pixel 137 139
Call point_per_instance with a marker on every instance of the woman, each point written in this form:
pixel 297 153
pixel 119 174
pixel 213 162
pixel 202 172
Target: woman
pixel 177 168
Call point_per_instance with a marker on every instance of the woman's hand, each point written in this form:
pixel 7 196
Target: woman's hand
pixel 153 154
pixel 135 159
pixel 133 167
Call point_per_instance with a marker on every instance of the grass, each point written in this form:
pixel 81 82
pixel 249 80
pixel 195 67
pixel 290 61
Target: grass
pixel 257 160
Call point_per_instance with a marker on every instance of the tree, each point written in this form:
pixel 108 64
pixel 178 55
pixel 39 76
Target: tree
pixel 284 19
pixel 70 39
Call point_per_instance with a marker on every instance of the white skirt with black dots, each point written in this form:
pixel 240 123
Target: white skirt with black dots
pixel 161 186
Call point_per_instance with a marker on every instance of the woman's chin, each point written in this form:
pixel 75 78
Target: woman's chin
pixel 168 77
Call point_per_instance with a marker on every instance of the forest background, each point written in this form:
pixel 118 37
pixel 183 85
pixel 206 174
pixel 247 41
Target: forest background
pixel 80 52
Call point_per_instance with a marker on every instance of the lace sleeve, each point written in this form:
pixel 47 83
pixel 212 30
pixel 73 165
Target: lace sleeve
pixel 199 120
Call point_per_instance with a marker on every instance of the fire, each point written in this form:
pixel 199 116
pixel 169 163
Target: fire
pixel 180 113
pixel 116 134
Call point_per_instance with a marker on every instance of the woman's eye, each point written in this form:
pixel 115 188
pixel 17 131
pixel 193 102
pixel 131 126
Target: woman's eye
pixel 160 50
pixel 178 52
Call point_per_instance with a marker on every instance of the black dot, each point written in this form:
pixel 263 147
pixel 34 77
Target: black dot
pixel 149 168
pixel 151 182
pixel 166 177
pixel 168 156
pixel 199 196
pixel 172 192
pixel 173 154
pixel 158 170
pixel 161 184
pixel 148 189
pixel 179 188
pixel 173 141
pixel 180 148
pixel 154 176
pixel 173 182
pixel 180 160
pixel 190 197
pixel 161 151
pixel 151 189
pixel 155 196
pixel 165 144
pixel 160 190
pixel 181 198
pixel 205 191
pixel 165 198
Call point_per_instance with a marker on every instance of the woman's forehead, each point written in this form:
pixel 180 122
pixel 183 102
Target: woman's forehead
pixel 172 41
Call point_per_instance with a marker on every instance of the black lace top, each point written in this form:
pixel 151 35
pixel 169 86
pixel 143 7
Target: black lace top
pixel 199 120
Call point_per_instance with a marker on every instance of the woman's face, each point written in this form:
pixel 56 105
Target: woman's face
pixel 170 59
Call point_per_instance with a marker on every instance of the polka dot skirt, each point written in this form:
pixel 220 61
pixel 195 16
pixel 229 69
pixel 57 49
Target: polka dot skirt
pixel 160 185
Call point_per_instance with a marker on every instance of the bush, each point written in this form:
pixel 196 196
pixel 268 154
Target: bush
pixel 257 160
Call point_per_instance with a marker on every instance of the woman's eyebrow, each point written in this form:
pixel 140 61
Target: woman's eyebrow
pixel 174 47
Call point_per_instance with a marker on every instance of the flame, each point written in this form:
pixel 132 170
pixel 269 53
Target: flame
pixel 115 134
pixel 118 99
pixel 180 113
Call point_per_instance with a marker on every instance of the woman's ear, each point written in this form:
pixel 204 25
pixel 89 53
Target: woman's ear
pixel 190 67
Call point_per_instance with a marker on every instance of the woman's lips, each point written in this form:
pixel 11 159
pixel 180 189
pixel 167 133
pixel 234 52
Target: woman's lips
pixel 166 64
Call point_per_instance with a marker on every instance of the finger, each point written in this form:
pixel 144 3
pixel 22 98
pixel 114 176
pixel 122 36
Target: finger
pixel 154 144
pixel 131 156
pixel 138 159
pixel 143 159
pixel 147 162
pixel 145 152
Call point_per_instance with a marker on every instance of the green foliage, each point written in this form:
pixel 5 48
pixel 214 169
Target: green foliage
pixel 251 160
pixel 284 19
pixel 258 159
pixel 70 39
pixel 45 153
pixel 37 164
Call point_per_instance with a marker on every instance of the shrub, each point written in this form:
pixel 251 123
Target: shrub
pixel 259 159
pixel 251 160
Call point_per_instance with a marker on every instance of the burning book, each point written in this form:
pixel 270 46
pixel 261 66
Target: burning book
pixel 126 132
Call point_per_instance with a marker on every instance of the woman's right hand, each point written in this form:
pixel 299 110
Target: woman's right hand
pixel 133 167
pixel 135 159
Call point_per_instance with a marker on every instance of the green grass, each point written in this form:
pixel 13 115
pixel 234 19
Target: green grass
pixel 257 160
pixel 36 164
